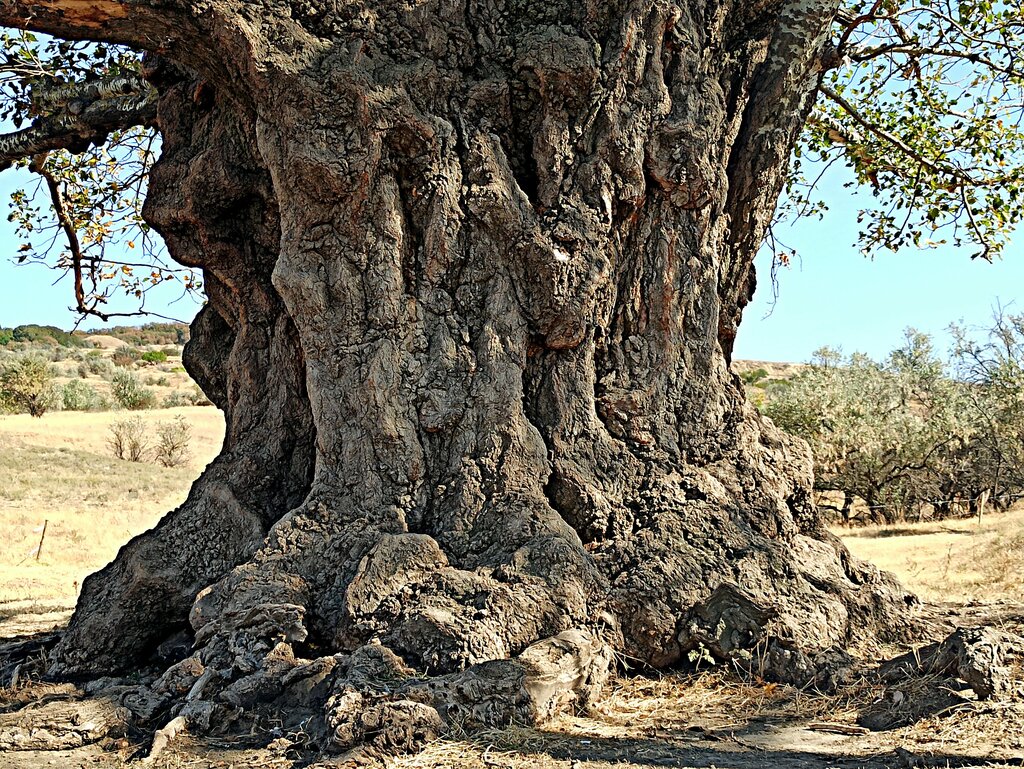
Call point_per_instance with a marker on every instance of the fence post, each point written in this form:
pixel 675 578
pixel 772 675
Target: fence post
pixel 39 550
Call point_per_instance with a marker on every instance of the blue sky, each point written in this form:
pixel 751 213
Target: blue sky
pixel 30 293
pixel 835 296
pixel 831 296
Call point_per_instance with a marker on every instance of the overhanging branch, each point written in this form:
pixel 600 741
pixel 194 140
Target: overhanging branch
pixel 138 23
pixel 78 116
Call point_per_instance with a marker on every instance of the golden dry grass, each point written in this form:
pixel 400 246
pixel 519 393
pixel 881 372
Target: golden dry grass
pixel 60 469
pixel 952 560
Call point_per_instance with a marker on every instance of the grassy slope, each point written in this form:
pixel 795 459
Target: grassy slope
pixel 951 560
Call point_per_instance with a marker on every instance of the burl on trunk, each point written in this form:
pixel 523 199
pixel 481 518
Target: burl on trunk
pixel 474 272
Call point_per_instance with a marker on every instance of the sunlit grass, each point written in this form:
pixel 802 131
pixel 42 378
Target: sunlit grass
pixel 59 470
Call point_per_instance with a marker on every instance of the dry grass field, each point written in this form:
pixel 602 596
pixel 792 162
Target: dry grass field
pixel 60 469
pixel 953 560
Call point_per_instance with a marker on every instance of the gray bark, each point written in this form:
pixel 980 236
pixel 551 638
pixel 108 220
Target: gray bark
pixel 475 271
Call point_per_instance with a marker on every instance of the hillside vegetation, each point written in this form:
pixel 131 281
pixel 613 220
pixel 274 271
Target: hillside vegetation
pixel 33 335
pixel 43 369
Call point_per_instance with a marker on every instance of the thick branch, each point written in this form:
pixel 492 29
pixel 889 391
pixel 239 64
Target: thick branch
pixel 137 23
pixel 87 114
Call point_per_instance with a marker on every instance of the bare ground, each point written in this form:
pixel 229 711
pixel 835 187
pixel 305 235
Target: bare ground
pixel 711 718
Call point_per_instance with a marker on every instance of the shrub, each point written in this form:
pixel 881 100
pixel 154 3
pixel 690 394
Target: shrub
pixel 154 356
pixel 177 400
pixel 100 366
pixel 76 395
pixel 171 352
pixel 26 384
pixel 128 439
pixel 125 356
pixel 755 376
pixel 129 393
pixel 172 446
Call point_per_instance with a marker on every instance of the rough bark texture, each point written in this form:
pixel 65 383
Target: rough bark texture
pixel 475 271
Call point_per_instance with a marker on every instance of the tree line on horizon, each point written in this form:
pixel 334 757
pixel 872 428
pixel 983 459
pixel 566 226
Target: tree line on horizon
pixel 35 334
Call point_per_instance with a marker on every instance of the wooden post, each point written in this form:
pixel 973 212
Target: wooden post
pixel 981 505
pixel 39 550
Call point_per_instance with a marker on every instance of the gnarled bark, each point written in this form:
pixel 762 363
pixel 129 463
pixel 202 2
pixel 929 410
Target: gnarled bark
pixel 475 272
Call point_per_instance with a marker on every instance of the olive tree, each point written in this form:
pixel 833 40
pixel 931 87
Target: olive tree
pixel 26 385
pixel 474 273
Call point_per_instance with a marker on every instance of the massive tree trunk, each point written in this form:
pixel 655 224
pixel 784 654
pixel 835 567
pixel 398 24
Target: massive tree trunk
pixel 475 271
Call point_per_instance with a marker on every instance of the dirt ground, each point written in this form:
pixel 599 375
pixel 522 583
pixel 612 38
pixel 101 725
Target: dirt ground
pixel 707 719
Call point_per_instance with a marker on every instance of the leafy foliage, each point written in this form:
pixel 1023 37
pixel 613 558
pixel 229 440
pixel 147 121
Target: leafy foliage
pixel 26 384
pixel 100 190
pixel 913 436
pixel 129 393
pixel 150 333
pixel 924 104
pixel 35 335
pixel 991 363
pixel 76 395
pixel 154 356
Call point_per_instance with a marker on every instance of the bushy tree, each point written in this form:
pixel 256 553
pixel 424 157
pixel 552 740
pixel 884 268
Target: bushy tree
pixel 990 362
pixel 129 392
pixel 26 384
pixel 878 431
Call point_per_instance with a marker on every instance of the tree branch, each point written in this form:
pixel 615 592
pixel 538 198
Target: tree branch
pixel 81 115
pixel 961 177
pixel 38 166
pixel 137 23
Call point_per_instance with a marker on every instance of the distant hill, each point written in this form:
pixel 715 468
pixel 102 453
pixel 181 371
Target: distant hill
pixel 32 334
pixel 149 334
pixel 760 376
pixel 35 335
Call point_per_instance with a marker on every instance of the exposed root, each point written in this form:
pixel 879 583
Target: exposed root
pixel 163 737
